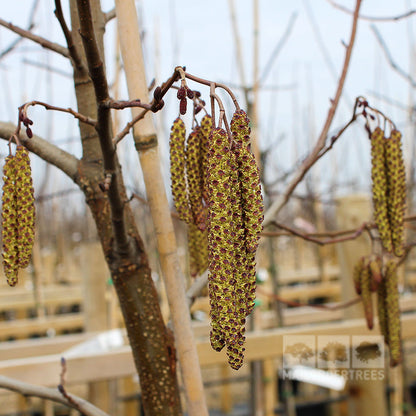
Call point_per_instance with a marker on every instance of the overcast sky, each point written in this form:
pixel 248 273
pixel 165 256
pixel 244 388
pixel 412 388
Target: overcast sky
pixel 199 35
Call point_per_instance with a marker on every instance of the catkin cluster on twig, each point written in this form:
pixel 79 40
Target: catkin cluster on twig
pixel 389 189
pixel 235 221
pixel 18 214
pixel 219 196
pixel 370 276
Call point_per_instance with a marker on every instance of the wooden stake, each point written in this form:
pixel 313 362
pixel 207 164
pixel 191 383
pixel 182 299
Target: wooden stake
pixel 145 132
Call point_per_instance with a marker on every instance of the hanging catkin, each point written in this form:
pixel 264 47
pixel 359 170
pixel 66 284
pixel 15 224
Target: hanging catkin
pixel 396 190
pixel 393 313
pixel 25 204
pixel 177 170
pixel 379 187
pixel 9 221
pixel 194 177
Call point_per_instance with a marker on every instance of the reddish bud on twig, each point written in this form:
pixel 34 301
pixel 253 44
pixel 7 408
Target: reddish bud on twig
pixel 189 93
pixel 181 93
pixel 182 106
pixel 29 132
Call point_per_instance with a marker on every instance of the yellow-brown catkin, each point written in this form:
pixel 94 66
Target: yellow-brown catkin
pixel 382 310
pixel 177 170
pixel 393 313
pixel 366 296
pixel 250 187
pixel 25 205
pixel 375 265
pixel 205 131
pixel 396 190
pixel 198 250
pixel 356 275
pixel 194 175
pixel 9 222
pixel 227 324
pixel 379 188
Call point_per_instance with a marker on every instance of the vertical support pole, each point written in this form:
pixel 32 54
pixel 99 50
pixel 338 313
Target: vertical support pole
pixel 366 396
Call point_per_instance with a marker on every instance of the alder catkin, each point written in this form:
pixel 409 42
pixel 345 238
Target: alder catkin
pixel 250 187
pixel 177 170
pixel 194 177
pixel 396 190
pixel 379 188
pixel 375 265
pixel 357 273
pixel 25 206
pixel 9 222
pixel 206 127
pixel 382 310
pixel 366 295
pixel 198 250
pixel 393 313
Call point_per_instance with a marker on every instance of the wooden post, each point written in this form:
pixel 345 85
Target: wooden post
pixel 366 396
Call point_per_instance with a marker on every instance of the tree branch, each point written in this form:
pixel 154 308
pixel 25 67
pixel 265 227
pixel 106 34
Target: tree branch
pixel 98 77
pixel 389 57
pixel 73 52
pixel 373 18
pixel 279 203
pixel 55 47
pixel 54 395
pixel 50 153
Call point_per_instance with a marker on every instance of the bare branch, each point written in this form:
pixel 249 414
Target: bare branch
pixel 31 25
pixel 47 151
pixel 75 56
pixel 279 46
pixel 373 18
pixel 77 115
pixel 393 64
pixel 279 203
pixel 54 395
pixel 55 47
pixel 110 15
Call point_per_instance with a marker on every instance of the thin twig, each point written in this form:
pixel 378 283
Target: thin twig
pixel 80 117
pixel 31 25
pixel 277 205
pixel 55 47
pixel 373 18
pixel 30 390
pixel 46 67
pixel 75 56
pixel 277 49
pixel 110 15
pixel 389 57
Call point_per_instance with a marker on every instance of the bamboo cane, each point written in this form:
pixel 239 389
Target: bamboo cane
pixel 145 140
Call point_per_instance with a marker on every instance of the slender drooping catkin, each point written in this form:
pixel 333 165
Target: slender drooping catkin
pixel 393 313
pixel 379 187
pixel 194 175
pixel 25 205
pixel 357 273
pixel 9 221
pixel 366 295
pixel 251 197
pixel 177 170
pixel 375 265
pixel 198 250
pixel 206 128
pixel 396 190
pixel 223 236
pixel 382 310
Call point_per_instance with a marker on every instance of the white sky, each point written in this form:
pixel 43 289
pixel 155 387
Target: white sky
pixel 198 35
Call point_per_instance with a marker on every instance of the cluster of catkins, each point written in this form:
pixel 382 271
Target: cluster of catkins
pixel 371 276
pixel 217 191
pixel 18 214
pixel 389 189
